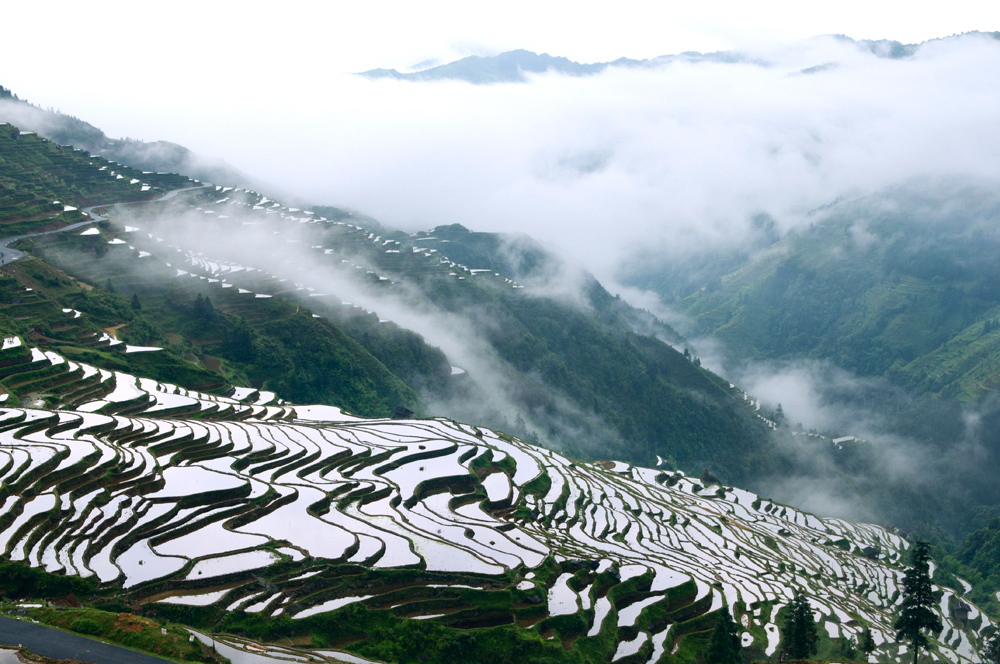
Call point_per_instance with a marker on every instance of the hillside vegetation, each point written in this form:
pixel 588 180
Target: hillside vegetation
pixel 43 184
pixel 580 374
pixel 159 157
pixel 196 393
pixel 588 375
pixel 580 370
pixel 903 285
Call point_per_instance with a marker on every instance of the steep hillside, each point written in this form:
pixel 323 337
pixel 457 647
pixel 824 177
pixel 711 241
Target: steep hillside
pixel 228 287
pixel 579 371
pixel 43 185
pixel 902 284
pixel 981 553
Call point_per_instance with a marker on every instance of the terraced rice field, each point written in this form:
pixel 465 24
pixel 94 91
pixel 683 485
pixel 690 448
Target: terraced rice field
pixel 184 498
pixel 35 170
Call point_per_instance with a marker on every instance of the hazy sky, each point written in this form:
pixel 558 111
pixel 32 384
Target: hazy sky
pixel 270 38
pixel 670 157
pixel 93 58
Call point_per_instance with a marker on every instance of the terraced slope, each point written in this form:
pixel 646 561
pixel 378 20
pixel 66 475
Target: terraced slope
pixel 210 331
pixel 324 522
pixel 574 378
pixel 41 303
pixel 584 374
pixel 41 182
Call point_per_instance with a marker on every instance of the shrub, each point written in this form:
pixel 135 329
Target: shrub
pixel 86 626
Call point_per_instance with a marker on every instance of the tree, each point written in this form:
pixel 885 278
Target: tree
pixel 917 614
pixel 203 308
pixel 136 305
pixel 724 646
pixel 141 331
pixel 800 628
pixel 239 342
pixel 866 644
pixel 849 648
pixel 991 651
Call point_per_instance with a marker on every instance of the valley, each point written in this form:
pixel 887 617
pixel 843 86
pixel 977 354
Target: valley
pixel 238 424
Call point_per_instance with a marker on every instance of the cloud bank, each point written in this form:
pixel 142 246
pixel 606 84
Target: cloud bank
pixel 665 160
pixel 673 158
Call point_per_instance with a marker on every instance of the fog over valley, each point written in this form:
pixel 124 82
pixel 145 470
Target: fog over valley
pixel 658 177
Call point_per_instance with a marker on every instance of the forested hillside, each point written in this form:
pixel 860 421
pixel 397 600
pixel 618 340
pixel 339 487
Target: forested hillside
pixel 902 284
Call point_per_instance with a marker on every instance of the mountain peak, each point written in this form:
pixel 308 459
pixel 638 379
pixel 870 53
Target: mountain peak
pixel 514 66
pixel 507 67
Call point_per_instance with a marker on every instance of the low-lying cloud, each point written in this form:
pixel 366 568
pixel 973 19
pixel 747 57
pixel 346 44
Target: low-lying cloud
pixel 656 161
pixel 660 162
pixel 920 461
pixel 490 391
pixel 673 158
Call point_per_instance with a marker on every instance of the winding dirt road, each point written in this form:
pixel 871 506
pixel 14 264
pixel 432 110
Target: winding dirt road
pixel 8 255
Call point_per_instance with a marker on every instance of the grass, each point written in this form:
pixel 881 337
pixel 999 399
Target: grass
pixel 128 630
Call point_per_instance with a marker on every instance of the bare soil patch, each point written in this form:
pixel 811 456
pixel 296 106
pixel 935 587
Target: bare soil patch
pixel 113 331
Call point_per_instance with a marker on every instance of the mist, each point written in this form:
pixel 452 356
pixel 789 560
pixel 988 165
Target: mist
pixel 611 170
pixel 902 457
pixel 660 162
pixel 669 159
pixel 487 391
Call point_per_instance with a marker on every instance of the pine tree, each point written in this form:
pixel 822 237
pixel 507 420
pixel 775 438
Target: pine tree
pixel 725 645
pixel 849 648
pixel 800 628
pixel 866 644
pixel 203 308
pixel 136 305
pixel 917 613
pixel 991 651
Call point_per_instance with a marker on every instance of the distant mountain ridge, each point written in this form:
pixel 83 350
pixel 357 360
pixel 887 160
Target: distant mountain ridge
pixel 514 66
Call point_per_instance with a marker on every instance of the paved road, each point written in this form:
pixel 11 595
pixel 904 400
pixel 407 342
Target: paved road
pixel 61 645
pixel 10 255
